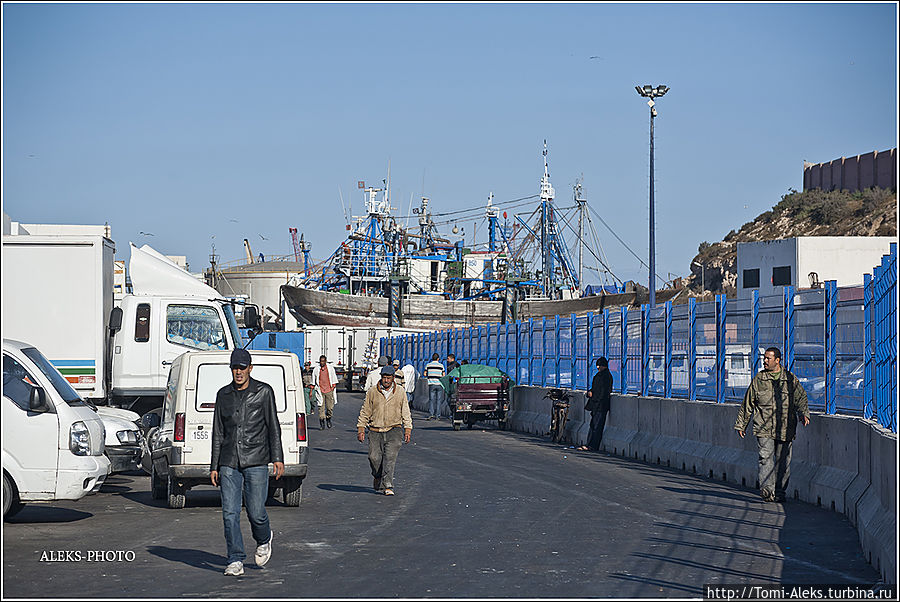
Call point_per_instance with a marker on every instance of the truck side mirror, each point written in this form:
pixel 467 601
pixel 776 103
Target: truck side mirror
pixel 150 420
pixel 251 317
pixel 37 401
pixel 115 320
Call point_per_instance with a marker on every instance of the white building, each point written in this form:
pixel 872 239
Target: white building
pixel 806 261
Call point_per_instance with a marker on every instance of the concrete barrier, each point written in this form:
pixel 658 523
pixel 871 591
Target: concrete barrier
pixel 843 463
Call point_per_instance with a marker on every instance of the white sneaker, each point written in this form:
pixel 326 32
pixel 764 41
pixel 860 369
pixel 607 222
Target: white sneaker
pixel 264 551
pixel 235 569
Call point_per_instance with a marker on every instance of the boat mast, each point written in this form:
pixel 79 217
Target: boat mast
pixel 492 214
pixel 581 203
pixel 546 255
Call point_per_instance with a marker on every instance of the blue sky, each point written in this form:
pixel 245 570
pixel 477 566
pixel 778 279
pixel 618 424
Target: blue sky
pixel 211 123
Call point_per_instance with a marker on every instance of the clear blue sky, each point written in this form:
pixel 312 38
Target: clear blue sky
pixel 194 121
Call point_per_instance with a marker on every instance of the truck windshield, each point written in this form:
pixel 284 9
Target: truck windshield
pixel 58 381
pixel 232 325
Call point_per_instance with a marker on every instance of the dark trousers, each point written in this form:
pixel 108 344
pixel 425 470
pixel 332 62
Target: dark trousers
pixel 598 421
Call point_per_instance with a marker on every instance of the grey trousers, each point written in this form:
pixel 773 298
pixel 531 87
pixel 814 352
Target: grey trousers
pixel 383 450
pixel 774 466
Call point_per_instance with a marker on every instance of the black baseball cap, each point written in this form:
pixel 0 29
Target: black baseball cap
pixel 240 358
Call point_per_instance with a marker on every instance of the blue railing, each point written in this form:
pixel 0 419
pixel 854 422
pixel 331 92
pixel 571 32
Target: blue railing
pixel 840 342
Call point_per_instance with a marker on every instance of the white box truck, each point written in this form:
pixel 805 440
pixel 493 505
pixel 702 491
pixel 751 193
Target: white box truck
pixel 58 296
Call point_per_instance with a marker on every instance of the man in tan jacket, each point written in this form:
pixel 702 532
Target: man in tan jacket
pixel 385 412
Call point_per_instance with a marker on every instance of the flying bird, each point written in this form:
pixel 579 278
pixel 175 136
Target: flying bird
pixel 595 57
pixel 262 237
pixel 233 220
pixel 146 233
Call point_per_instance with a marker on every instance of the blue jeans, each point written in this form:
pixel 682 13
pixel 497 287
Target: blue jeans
pixel 251 484
pixel 435 393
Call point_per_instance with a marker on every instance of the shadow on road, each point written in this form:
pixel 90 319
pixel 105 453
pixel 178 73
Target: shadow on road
pixel 342 451
pixel 195 558
pixel 347 488
pixel 47 514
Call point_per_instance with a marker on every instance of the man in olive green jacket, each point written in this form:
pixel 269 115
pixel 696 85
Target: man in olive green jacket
pixel 776 400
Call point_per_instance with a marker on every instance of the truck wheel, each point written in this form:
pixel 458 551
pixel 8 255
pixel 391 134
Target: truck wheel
pixel 11 503
pixel 293 491
pixel 502 424
pixel 457 424
pixel 176 494
pixel 158 488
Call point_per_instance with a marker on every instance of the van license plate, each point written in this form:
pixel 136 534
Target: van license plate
pixel 201 435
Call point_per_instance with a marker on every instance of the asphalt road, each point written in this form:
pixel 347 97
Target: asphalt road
pixel 478 513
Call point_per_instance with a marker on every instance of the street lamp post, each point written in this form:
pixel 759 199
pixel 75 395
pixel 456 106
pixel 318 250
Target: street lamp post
pixel 702 267
pixel 650 92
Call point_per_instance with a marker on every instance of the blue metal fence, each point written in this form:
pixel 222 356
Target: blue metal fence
pixel 840 342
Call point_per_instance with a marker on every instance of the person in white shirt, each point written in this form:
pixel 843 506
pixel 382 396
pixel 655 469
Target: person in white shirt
pixel 324 379
pixel 409 381
pixel 374 376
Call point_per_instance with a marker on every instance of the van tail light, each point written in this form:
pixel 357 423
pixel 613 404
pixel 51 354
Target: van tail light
pixel 179 426
pixel 301 427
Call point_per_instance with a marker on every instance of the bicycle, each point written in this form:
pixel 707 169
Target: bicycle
pixel 559 413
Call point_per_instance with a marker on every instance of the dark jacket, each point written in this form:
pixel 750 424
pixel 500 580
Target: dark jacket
pixel 601 389
pixel 245 427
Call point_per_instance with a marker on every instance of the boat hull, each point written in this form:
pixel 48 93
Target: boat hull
pixel 434 313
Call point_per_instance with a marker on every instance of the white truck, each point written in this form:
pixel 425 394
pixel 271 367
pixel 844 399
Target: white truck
pixel 352 350
pixel 58 296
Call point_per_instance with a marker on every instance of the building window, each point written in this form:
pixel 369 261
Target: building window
pixel 751 278
pixel 781 276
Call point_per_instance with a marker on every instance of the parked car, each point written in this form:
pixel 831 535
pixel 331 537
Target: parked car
pixel 181 444
pixel 52 440
pixel 123 438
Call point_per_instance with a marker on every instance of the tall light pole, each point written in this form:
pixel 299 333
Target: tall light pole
pixel 650 92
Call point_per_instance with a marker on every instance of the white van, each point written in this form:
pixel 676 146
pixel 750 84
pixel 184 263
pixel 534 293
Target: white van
pixel 52 440
pixel 180 441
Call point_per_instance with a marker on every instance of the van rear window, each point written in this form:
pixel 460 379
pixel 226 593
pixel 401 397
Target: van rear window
pixel 212 377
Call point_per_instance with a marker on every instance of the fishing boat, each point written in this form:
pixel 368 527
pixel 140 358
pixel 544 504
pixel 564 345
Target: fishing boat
pixel 390 274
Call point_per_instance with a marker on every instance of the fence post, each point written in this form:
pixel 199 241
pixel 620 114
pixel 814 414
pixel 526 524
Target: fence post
pixel 530 351
pixel 868 355
pixel 606 333
pixel 623 351
pixel 557 348
pixel 788 314
pixel 721 381
pixel 692 349
pixel 830 290
pixel 645 349
pixel 589 350
pixel 668 361
pixel 754 333
pixel 543 351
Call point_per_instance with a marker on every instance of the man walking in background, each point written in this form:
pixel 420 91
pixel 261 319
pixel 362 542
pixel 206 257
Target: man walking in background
pixel 324 380
pixel 776 400
pixel 598 404
pixel 385 413
pixel 434 371
pixel 374 376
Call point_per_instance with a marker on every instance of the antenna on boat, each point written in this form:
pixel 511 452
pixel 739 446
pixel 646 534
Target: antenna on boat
pixel 581 203
pixel 346 219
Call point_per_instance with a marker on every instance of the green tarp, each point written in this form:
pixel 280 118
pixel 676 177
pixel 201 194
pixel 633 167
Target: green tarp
pixel 465 373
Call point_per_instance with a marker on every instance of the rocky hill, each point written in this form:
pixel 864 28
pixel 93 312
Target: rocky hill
pixel 871 212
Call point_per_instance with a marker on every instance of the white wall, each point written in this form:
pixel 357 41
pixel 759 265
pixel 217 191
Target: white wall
pixel 841 258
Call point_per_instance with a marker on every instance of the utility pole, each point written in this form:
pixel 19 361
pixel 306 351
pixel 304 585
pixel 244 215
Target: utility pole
pixel 581 203
pixel 651 93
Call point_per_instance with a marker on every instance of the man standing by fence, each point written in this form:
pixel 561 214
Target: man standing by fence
pixel 777 400
pixel 434 371
pixel 598 404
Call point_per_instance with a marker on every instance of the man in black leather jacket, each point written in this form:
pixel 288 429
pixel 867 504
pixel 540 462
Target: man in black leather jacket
pixel 246 437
